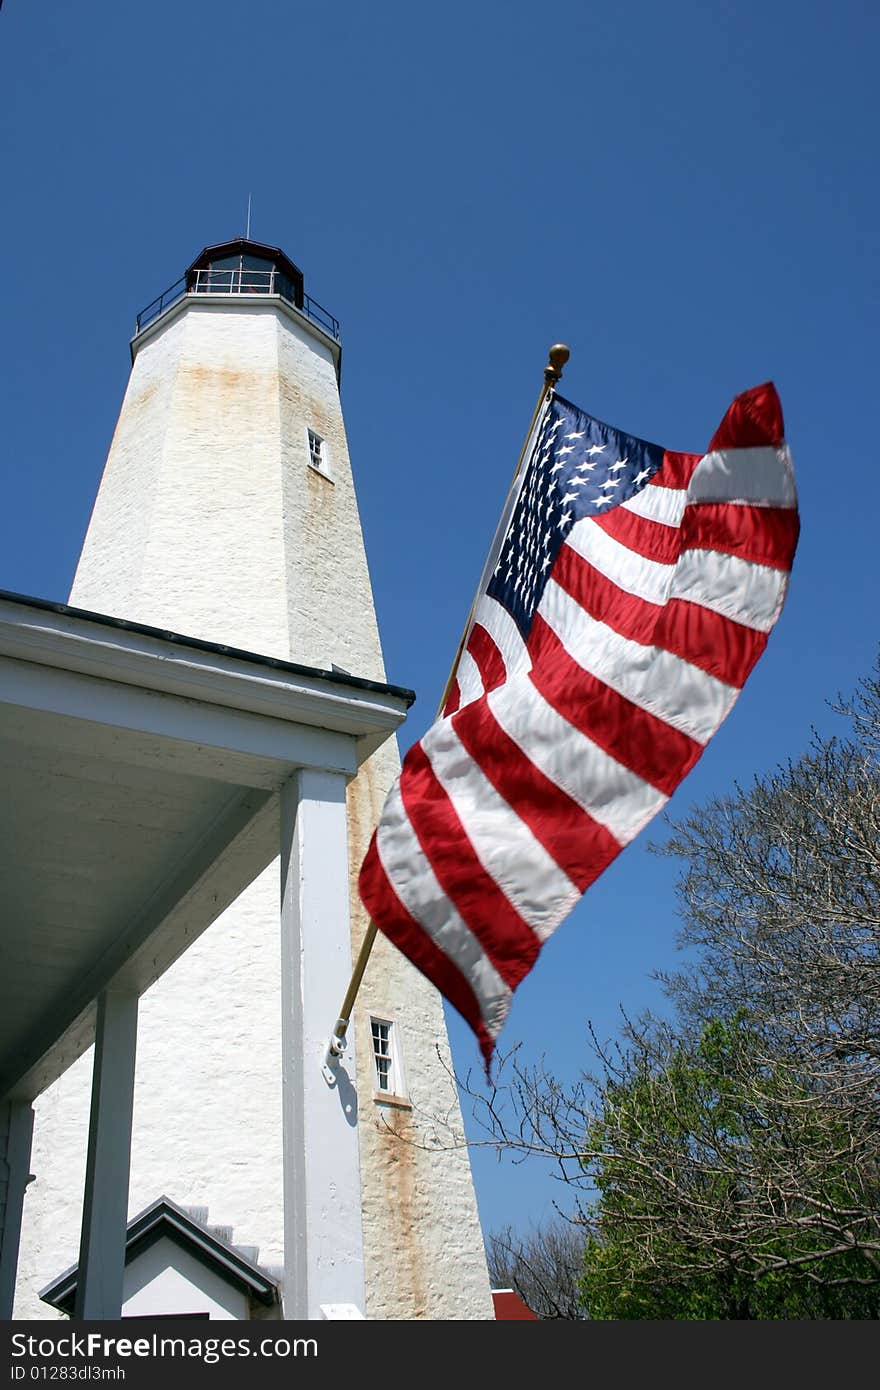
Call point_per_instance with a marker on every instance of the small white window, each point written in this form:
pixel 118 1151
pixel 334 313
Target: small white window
pixel 382 1053
pixel 388 1068
pixel 319 455
pixel 316 450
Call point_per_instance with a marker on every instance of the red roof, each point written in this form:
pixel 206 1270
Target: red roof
pixel 509 1306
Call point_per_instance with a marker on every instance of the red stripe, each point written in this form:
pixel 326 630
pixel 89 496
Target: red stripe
pixel 507 939
pixel 490 662
pixel 718 645
pixel 579 845
pixel 650 748
pixel 752 420
pixel 395 922
pixel 676 470
pixel 763 535
pixel 652 539
pixel 454 699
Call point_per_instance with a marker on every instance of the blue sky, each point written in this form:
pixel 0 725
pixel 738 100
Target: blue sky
pixel 686 194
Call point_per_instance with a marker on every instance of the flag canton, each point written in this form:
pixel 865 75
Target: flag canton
pixel 579 467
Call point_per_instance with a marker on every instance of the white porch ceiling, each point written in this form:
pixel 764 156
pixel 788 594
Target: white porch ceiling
pixel 139 777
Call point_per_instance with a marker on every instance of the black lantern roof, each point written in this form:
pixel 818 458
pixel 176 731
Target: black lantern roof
pixel 248 252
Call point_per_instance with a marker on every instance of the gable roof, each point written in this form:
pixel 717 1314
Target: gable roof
pixel 164 1218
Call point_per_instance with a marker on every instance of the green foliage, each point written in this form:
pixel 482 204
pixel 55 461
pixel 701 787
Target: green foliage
pixel 673 1156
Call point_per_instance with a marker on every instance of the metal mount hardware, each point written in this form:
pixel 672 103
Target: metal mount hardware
pixel 335 1051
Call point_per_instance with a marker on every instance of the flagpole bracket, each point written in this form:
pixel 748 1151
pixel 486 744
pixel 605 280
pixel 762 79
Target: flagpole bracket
pixel 335 1051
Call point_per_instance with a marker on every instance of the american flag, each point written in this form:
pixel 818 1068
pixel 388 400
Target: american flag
pixel 628 593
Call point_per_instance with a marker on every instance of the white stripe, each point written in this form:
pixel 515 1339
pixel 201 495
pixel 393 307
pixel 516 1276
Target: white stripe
pixel 748 593
pixel 742 590
pixel 470 682
pixel 655 680
pixel 614 796
pixel 504 633
pixel 754 477
pixel 416 885
pixel 646 579
pixel 526 874
pixel 662 504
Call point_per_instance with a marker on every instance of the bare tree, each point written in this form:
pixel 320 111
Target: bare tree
pixel 545 1267
pixel 735 1150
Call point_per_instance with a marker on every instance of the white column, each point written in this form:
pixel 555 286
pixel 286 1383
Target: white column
pixel 17 1124
pixel 105 1205
pixel 323 1237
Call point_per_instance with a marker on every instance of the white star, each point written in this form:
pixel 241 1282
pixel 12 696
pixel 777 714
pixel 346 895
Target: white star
pixel 570 496
pixel 640 477
pixel 621 463
pixel 611 482
pixel 586 467
pixel 601 501
pixel 579 435
pixel 566 449
pixel 597 449
pixel 577 482
pixel 564 520
pixel 556 467
pixel 545 562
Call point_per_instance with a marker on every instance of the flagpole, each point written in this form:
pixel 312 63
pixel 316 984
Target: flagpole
pixel 557 357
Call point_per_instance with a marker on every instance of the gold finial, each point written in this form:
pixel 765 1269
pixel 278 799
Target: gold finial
pixel 558 355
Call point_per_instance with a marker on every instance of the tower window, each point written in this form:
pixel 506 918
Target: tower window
pixel 318 453
pixel 382 1053
pixel 388 1070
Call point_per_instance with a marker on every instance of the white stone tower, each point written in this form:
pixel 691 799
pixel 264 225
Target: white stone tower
pixel 227 512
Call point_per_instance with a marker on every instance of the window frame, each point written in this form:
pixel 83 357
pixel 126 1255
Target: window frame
pixel 322 467
pixel 396 1092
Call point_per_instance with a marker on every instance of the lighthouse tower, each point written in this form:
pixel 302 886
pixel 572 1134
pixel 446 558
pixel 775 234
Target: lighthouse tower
pixel 227 513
